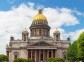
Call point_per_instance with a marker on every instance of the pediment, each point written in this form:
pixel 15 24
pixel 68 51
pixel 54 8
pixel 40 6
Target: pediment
pixel 42 43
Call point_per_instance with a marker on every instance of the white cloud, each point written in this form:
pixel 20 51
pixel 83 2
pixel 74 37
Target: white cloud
pixel 78 12
pixel 74 35
pixel 60 16
pixel 12 22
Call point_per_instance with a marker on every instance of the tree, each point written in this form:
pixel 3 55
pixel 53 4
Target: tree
pixel 72 52
pixel 80 46
pixel 3 57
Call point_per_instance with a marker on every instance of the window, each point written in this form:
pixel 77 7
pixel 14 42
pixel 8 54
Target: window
pixel 24 37
pixel 49 54
pixel 16 54
pixel 57 36
pixel 15 57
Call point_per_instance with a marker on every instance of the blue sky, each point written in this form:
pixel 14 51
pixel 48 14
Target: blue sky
pixel 6 5
pixel 67 15
pixel 73 4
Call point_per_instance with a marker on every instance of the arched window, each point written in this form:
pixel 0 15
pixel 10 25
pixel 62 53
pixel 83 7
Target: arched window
pixel 42 31
pixel 39 31
pixel 16 55
pixel 24 37
pixel 32 32
pixel 35 32
pixel 50 54
pixel 57 36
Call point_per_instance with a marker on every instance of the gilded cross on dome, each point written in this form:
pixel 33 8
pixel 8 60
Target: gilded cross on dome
pixel 40 11
pixel 40 16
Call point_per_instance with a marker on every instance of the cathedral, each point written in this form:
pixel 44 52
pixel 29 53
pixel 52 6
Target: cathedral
pixel 39 46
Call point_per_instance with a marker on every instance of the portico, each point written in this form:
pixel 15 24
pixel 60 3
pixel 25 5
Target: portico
pixel 38 55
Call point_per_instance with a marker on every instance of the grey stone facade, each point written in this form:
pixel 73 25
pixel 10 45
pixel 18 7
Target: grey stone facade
pixel 37 47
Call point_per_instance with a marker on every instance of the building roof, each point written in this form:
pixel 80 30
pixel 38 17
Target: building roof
pixel 39 16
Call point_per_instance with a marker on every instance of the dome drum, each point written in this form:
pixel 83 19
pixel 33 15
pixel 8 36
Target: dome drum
pixel 41 22
pixel 39 26
pixel 40 32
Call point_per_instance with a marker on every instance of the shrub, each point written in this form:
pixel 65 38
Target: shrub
pixel 29 60
pixel 59 60
pixel 55 60
pixel 20 60
pixel 3 57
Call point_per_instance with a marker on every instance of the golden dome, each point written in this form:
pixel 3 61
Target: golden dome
pixel 39 16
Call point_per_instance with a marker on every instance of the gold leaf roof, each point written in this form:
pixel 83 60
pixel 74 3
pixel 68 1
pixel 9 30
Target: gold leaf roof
pixel 39 16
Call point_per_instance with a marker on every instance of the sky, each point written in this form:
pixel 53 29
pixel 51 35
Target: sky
pixel 15 15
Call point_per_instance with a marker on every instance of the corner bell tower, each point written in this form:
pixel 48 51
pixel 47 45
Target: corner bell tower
pixel 56 35
pixel 25 35
pixel 39 26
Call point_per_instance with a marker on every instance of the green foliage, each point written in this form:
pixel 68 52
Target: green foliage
pixel 29 60
pixel 22 60
pixel 72 52
pixel 80 46
pixel 3 57
pixel 59 60
pixel 76 49
pixel 55 60
pixel 50 60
